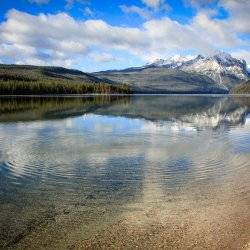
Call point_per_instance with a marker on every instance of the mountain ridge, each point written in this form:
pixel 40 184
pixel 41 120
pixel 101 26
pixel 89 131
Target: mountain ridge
pixel 39 80
pixel 218 73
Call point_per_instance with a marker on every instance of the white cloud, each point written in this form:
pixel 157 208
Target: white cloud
pixel 88 12
pixel 70 3
pixel 102 57
pixel 155 4
pixel 198 3
pixel 243 54
pixel 238 11
pixel 215 31
pixel 151 8
pixel 136 10
pixel 59 39
pixel 239 14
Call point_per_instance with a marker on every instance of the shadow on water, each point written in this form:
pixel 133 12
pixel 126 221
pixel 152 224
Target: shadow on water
pixel 44 108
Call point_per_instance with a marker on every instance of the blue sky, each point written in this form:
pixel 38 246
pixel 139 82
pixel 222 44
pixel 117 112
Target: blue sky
pixel 94 35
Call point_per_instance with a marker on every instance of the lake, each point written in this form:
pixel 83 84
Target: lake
pixel 125 172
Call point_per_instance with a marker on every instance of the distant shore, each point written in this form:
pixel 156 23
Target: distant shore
pixel 27 80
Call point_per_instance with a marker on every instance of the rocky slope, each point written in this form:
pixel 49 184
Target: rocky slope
pixel 243 88
pixel 159 80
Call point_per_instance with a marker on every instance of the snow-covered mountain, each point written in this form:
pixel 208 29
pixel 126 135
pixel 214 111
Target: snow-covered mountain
pixel 172 62
pixel 221 67
pixel 217 73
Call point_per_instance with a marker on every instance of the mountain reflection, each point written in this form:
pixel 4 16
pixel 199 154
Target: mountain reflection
pixel 87 156
pixel 199 111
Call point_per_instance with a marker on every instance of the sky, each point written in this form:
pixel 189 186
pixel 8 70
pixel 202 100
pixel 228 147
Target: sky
pixel 94 35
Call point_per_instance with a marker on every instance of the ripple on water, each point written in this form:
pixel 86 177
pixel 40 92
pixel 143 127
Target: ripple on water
pixel 174 154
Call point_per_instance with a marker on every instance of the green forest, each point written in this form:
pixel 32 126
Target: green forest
pixel 242 88
pixel 34 80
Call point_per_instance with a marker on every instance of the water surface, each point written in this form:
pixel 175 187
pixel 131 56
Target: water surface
pixel 125 172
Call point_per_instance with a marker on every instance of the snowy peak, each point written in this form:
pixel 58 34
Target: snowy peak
pixel 172 62
pixel 227 60
pixel 220 58
pixel 223 57
pixel 220 67
pixel 181 59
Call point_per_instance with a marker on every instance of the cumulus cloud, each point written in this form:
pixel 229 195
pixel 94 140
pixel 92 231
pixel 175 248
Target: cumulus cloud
pixel 155 4
pixel 151 8
pixel 70 3
pixel 136 10
pixel 102 57
pixel 238 11
pixel 198 3
pixel 215 30
pixel 59 39
pixel 243 54
pixel 239 14
pixel 88 12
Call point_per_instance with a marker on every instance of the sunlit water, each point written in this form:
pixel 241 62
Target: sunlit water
pixel 71 167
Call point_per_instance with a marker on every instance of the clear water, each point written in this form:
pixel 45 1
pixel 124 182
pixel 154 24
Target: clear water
pixel 71 167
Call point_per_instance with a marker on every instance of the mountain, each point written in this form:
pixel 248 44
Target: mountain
pixel 219 73
pixel 159 80
pixel 221 67
pixel 26 79
pixel 35 72
pixel 243 88
pixel 172 62
pixel 191 74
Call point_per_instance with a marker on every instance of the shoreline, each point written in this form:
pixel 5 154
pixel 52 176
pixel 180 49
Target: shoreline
pixel 150 225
